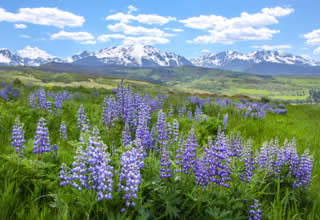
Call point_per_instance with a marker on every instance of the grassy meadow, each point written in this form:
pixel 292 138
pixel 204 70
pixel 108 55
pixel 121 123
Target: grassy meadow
pixel 31 187
pixel 182 79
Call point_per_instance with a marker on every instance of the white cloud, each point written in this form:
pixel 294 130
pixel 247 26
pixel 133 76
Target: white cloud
pixel 313 38
pixel 43 16
pixel 316 51
pixel 25 36
pixel 137 30
pixel 272 47
pixel 128 40
pixel 33 53
pixel 203 21
pixel 229 30
pixel 277 11
pixel 20 26
pixel 231 35
pixel 88 42
pixel 131 9
pixel 154 19
pixel 174 29
pixel 145 40
pixel 108 37
pixel 141 18
pixel 76 36
pixel 205 51
pixel 124 18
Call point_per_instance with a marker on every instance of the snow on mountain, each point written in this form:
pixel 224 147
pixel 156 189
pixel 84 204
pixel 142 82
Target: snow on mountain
pixel 78 56
pixel 259 56
pixel 9 58
pixel 34 53
pixel 137 55
pixel 26 57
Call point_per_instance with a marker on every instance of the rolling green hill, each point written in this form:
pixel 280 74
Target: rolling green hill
pixel 180 79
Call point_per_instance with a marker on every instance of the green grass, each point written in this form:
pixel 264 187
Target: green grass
pixel 30 186
pixel 180 79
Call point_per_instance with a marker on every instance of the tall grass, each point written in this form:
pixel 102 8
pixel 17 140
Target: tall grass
pixel 30 185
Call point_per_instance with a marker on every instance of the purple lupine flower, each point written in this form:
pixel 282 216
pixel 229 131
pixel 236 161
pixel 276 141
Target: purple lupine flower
pixel 189 114
pixel 249 163
pixel 161 128
pixel 143 131
pixel 99 167
pixel 91 169
pixel 64 175
pixel 141 150
pixel 235 147
pixel 126 135
pixel 42 99
pixel 218 160
pixel 175 131
pixel 109 113
pixel 18 137
pixel 143 134
pixel 48 106
pixel 180 111
pixel 170 132
pixel 201 171
pixel 243 100
pixel 184 109
pixel 304 170
pixel 291 156
pixel 189 153
pixel 171 111
pixel 263 157
pixel 33 101
pixel 224 102
pixel 178 157
pixel 153 137
pixel 198 113
pixel 255 212
pixel 82 120
pixel 129 109
pixel 165 163
pixel 63 131
pixel 272 159
pixel 225 121
pixel 78 176
pixel 130 176
pixel 58 102
pixel 42 142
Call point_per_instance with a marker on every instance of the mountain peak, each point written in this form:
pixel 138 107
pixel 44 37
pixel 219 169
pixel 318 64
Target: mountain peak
pixel 232 60
pixel 138 55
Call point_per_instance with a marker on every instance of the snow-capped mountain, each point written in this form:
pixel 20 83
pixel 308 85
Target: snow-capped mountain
pixel 79 56
pixel 9 58
pixel 260 61
pixel 136 55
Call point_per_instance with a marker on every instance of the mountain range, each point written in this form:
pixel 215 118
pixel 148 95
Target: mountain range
pixel 260 61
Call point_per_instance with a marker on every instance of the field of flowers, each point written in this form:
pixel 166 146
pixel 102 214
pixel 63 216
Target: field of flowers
pixel 119 154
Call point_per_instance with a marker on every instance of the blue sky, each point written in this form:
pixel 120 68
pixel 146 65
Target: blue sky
pixel 187 27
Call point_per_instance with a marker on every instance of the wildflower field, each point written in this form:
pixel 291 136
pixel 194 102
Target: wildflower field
pixel 122 153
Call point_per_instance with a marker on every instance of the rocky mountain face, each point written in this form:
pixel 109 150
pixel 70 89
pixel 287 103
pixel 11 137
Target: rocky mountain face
pixel 138 55
pixel 260 61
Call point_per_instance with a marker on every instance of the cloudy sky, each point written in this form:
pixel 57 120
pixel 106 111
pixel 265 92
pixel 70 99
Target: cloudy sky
pixel 187 27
